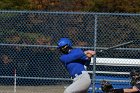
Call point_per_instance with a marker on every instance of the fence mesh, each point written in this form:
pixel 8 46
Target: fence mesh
pixel 28 45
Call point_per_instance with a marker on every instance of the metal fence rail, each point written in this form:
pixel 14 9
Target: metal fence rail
pixel 29 39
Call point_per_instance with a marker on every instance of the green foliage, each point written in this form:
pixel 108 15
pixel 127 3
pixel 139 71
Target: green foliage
pixel 73 5
pixel 6 34
pixel 129 6
pixel 12 36
pixel 14 4
pixel 31 37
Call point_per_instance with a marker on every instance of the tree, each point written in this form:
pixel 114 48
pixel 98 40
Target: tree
pixel 132 6
pixel 129 6
pixel 14 4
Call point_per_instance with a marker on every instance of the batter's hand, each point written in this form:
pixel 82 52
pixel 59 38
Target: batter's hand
pixel 106 87
pixel 89 53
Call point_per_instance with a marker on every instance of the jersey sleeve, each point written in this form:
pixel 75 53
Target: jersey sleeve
pixel 74 55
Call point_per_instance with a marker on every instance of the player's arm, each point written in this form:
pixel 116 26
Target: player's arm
pixel 77 54
pixel 131 90
pixel 134 89
pixel 89 53
pixel 127 90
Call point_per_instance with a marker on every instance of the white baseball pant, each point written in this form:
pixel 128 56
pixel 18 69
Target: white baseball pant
pixel 81 84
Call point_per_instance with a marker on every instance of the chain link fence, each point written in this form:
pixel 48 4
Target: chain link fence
pixel 30 61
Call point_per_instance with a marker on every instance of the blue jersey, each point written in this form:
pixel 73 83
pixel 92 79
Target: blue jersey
pixel 74 61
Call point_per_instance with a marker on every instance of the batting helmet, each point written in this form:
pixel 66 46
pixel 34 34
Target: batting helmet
pixel 64 41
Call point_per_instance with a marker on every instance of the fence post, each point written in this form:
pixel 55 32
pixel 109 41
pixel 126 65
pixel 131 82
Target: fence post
pixel 94 58
pixel 15 80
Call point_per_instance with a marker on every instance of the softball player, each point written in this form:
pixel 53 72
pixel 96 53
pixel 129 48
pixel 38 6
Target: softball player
pixel 135 82
pixel 74 61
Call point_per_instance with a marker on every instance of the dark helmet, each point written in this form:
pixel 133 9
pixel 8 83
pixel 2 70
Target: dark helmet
pixel 64 41
pixel 135 76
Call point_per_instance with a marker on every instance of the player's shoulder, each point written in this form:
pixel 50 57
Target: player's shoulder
pixel 77 49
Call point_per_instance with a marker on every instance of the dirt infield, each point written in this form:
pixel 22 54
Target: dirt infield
pixel 32 89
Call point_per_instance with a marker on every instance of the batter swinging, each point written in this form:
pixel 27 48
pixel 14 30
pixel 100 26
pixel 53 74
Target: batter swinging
pixel 74 61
